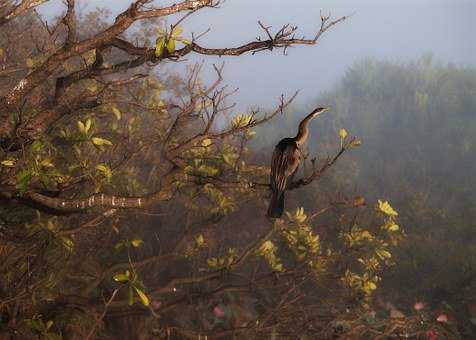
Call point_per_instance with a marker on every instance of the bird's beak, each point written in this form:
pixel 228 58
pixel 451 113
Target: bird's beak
pixel 322 110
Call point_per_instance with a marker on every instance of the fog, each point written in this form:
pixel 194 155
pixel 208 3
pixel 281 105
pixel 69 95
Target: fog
pixel 135 199
pixel 392 29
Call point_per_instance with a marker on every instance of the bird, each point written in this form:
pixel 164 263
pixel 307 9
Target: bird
pixel 285 162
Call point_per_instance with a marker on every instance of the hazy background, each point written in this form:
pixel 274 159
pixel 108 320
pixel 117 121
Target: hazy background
pixel 398 74
pixel 391 29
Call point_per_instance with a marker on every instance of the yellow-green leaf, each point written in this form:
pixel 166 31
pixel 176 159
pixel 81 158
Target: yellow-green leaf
pixel 67 243
pixel 8 162
pixel 87 126
pixel 342 133
pixel 93 87
pixel 142 296
pixel 121 277
pixel 171 45
pixel 46 163
pixel 117 113
pixel 137 243
pixel 383 254
pixel 199 240
pixel 212 262
pixel 100 141
pixel 81 126
pixel 394 227
pixel 105 170
pixel 177 31
pixel 356 142
pixel 130 297
pixel 159 47
pixel 370 285
pixel 206 142
pixel 386 208
pixel 266 247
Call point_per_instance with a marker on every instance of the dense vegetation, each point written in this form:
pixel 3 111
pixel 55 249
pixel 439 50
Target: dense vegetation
pixel 133 203
pixel 418 126
pixel 133 208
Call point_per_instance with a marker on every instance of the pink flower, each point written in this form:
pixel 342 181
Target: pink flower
pixel 156 304
pixel 219 313
pixel 442 318
pixel 431 334
pixel 419 305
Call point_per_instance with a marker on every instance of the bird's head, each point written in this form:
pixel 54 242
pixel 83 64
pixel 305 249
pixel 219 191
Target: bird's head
pixel 319 110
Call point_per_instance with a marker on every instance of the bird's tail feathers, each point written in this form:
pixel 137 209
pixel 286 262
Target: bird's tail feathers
pixel 276 206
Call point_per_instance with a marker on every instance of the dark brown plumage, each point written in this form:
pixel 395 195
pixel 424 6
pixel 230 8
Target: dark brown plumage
pixel 285 162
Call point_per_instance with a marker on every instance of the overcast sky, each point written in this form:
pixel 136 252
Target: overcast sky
pixel 391 29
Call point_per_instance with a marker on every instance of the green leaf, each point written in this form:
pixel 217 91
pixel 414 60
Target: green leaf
pixel 87 125
pixel 212 262
pixel 369 285
pixel 299 216
pixel 342 134
pixel 171 45
pixel 137 243
pixel 100 141
pixel 386 208
pixel 383 254
pixel 119 245
pixel 159 47
pixel 121 277
pixel 206 142
pixel 177 31
pixel 278 267
pixel 130 296
pixel 37 146
pixel 394 227
pixel 36 325
pixel 117 113
pixel 49 324
pixel 242 120
pixel 23 180
pixel 105 170
pixel 142 296
pixel 81 127
pixel 8 162
pixel 46 163
pixel 356 143
pixel 199 240
pixel 266 247
pixel 68 243
pixel 92 87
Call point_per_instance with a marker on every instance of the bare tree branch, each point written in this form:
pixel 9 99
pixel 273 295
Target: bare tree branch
pixel 70 21
pixel 18 10
pixel 108 201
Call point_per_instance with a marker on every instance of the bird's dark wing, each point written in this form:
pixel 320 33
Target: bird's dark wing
pixel 284 164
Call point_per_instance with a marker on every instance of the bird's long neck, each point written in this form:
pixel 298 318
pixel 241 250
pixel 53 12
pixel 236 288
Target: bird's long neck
pixel 303 131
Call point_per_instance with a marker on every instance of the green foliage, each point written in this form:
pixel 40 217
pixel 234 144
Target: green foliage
pixel 168 41
pixel 195 250
pixel 222 262
pixel 268 251
pixel 43 329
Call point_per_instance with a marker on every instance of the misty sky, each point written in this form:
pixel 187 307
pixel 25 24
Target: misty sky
pixel 391 29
